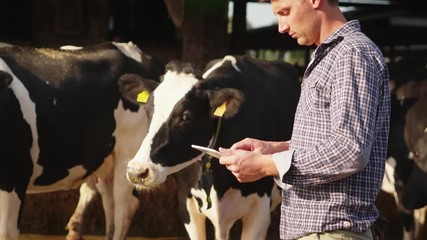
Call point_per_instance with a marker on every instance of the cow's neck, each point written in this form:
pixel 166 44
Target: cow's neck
pixel 207 175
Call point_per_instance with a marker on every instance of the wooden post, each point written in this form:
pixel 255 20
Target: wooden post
pixel 204 31
pixel 238 34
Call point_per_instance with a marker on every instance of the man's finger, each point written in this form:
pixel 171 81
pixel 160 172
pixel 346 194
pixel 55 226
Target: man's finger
pixel 224 160
pixel 226 151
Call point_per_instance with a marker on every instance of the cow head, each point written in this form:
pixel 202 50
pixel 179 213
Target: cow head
pixel 418 151
pixel 183 114
pixel 421 146
pixel 415 132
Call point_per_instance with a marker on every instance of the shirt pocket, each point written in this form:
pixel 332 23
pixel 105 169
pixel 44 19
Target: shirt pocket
pixel 317 97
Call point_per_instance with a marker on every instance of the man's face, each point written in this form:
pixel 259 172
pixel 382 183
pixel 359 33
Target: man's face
pixel 297 18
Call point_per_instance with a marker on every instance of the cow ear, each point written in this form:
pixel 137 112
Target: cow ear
pixel 226 102
pixel 136 88
pixel 5 79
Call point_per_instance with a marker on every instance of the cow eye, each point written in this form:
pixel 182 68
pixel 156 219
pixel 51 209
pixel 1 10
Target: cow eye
pixel 186 116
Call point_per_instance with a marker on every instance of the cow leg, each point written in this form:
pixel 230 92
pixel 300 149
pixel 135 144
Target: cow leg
pixel 419 216
pixel 255 224
pixel 389 182
pixel 196 228
pixel 222 229
pixel 276 197
pixel 74 225
pixel 125 203
pixel 408 223
pixel 408 234
pixel 105 188
pixel 10 205
pixel 194 221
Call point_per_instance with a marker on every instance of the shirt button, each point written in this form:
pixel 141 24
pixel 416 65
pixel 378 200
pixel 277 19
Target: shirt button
pixel 347 224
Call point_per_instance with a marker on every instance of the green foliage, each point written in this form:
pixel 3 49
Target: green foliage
pixel 295 57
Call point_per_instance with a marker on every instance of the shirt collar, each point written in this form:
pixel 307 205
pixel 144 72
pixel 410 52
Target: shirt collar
pixel 330 42
pixel 344 30
pixel 337 36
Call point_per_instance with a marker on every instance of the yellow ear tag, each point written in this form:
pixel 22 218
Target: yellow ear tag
pixel 219 111
pixel 143 96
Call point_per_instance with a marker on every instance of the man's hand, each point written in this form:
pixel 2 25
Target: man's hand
pixel 248 166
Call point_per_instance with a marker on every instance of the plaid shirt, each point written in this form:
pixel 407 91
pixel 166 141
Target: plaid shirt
pixel 339 140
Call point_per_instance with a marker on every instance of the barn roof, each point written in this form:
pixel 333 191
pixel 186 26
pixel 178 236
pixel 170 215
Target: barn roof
pixel 391 24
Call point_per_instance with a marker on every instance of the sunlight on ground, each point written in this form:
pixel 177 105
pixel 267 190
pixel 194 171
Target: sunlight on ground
pixel 86 237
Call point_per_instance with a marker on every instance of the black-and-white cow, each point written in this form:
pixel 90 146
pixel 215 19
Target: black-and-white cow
pixel 64 122
pixel 104 184
pixel 260 100
pixel 407 142
pixel 416 132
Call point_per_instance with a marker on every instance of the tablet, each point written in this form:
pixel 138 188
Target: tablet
pixel 209 151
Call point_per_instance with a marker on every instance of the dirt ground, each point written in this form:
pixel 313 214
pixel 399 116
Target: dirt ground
pixel 156 220
pixel 91 237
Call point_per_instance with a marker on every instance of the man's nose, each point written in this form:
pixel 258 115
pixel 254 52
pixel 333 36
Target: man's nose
pixel 282 26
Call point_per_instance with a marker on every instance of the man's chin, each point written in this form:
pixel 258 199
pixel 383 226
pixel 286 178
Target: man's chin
pixel 301 42
pixel 304 42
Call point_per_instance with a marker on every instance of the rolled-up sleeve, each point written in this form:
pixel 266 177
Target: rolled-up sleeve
pixel 283 161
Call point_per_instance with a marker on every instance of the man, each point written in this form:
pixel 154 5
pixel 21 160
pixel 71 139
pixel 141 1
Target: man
pixel 331 169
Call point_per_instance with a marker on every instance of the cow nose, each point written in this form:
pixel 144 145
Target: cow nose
pixel 137 175
pixel 143 174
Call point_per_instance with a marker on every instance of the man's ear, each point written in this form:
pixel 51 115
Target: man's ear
pixel 226 102
pixel 135 88
pixel 316 3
